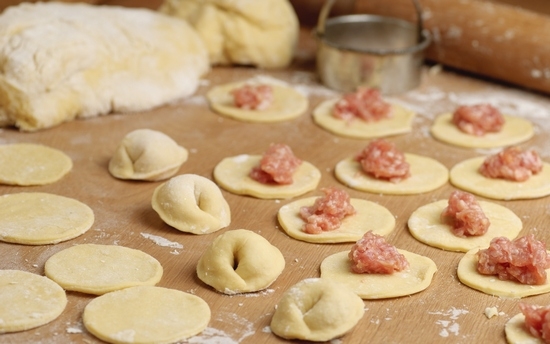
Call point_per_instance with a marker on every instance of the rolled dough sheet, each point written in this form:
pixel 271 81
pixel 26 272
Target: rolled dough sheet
pixel 368 216
pixel 36 218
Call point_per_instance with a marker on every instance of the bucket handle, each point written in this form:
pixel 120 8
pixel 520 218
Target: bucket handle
pixel 325 11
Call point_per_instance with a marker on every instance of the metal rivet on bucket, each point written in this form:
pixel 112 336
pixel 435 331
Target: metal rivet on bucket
pixel 370 50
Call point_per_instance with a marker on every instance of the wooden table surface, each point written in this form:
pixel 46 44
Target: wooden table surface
pixel 447 312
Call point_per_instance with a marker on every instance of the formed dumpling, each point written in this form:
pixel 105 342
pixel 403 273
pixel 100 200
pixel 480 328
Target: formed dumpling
pixel 240 261
pixel 250 32
pixel 191 203
pixel 317 309
pixel 146 154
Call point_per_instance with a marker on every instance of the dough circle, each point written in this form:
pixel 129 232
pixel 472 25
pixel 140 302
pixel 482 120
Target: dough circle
pixel 232 175
pixel 146 314
pixel 35 218
pixel 515 130
pixel 516 333
pixel 465 176
pixel 381 286
pixel 369 216
pixel 27 164
pixel 191 203
pixel 491 284
pixel 427 175
pixel 287 104
pixel 399 123
pixel 146 154
pixel 28 300
pixel 426 226
pixel 317 309
pixel 99 269
pixel 240 261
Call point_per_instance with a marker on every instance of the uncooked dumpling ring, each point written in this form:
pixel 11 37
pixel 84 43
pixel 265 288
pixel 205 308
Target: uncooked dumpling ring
pixel 146 154
pixel 240 261
pixel 317 309
pixel 192 203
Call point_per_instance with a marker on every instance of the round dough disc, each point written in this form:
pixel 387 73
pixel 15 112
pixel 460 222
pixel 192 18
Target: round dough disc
pixel 426 226
pixel 27 164
pixel 240 261
pixel 35 218
pixel 516 333
pixel 146 314
pixel 28 300
pixel 287 104
pixel 399 123
pixel 465 176
pixel 317 309
pixel 490 284
pixel 381 286
pixel 515 130
pixel 232 175
pixel 98 269
pixel 427 174
pixel 369 216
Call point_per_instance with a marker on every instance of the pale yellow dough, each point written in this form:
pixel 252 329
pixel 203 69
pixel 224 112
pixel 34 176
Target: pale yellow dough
pixel 516 333
pixel 35 218
pixel 99 269
pixel 490 284
pixel 399 123
pixel 28 300
pixel 317 309
pixel 515 130
pixel 426 226
pixel 146 154
pixel 427 175
pixel 415 279
pixel 369 216
pixel 232 175
pixel 465 175
pixel 240 261
pixel 145 315
pixel 191 203
pixel 287 103
pixel 32 164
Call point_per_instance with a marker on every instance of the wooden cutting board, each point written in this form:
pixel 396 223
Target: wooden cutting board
pixel 447 312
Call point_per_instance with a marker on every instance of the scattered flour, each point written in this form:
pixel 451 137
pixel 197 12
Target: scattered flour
pixel 449 325
pixel 162 241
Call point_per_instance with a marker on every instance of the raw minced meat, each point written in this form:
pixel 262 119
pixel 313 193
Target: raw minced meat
pixel 373 255
pixel 478 119
pixel 524 260
pixel 512 163
pixel 277 165
pixel 366 104
pixel 465 215
pixel 327 213
pixel 537 320
pixel 253 97
pixel 383 160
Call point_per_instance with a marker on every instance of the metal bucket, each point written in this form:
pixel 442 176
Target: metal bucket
pixel 370 50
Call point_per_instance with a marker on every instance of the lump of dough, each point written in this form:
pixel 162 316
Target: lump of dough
pixel 191 203
pixel 28 300
pixel 249 32
pixel 99 269
pixel 317 309
pixel 64 61
pixel 240 261
pixel 146 154
pixel 146 314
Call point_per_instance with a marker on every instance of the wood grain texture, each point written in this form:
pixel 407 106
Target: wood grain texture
pixel 447 312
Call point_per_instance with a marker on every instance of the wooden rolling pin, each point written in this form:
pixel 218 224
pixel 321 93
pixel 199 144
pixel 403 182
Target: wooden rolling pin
pixel 498 41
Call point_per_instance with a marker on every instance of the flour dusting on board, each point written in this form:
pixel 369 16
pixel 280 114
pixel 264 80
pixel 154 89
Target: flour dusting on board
pixel 449 324
pixel 162 241
pixel 241 328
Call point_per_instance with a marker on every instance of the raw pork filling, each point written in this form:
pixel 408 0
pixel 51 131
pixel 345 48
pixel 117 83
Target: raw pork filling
pixel 537 320
pixel 373 255
pixel 277 165
pixel 253 97
pixel 327 213
pixel 384 161
pixel 478 119
pixel 366 104
pixel 512 164
pixel 465 215
pixel 524 260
